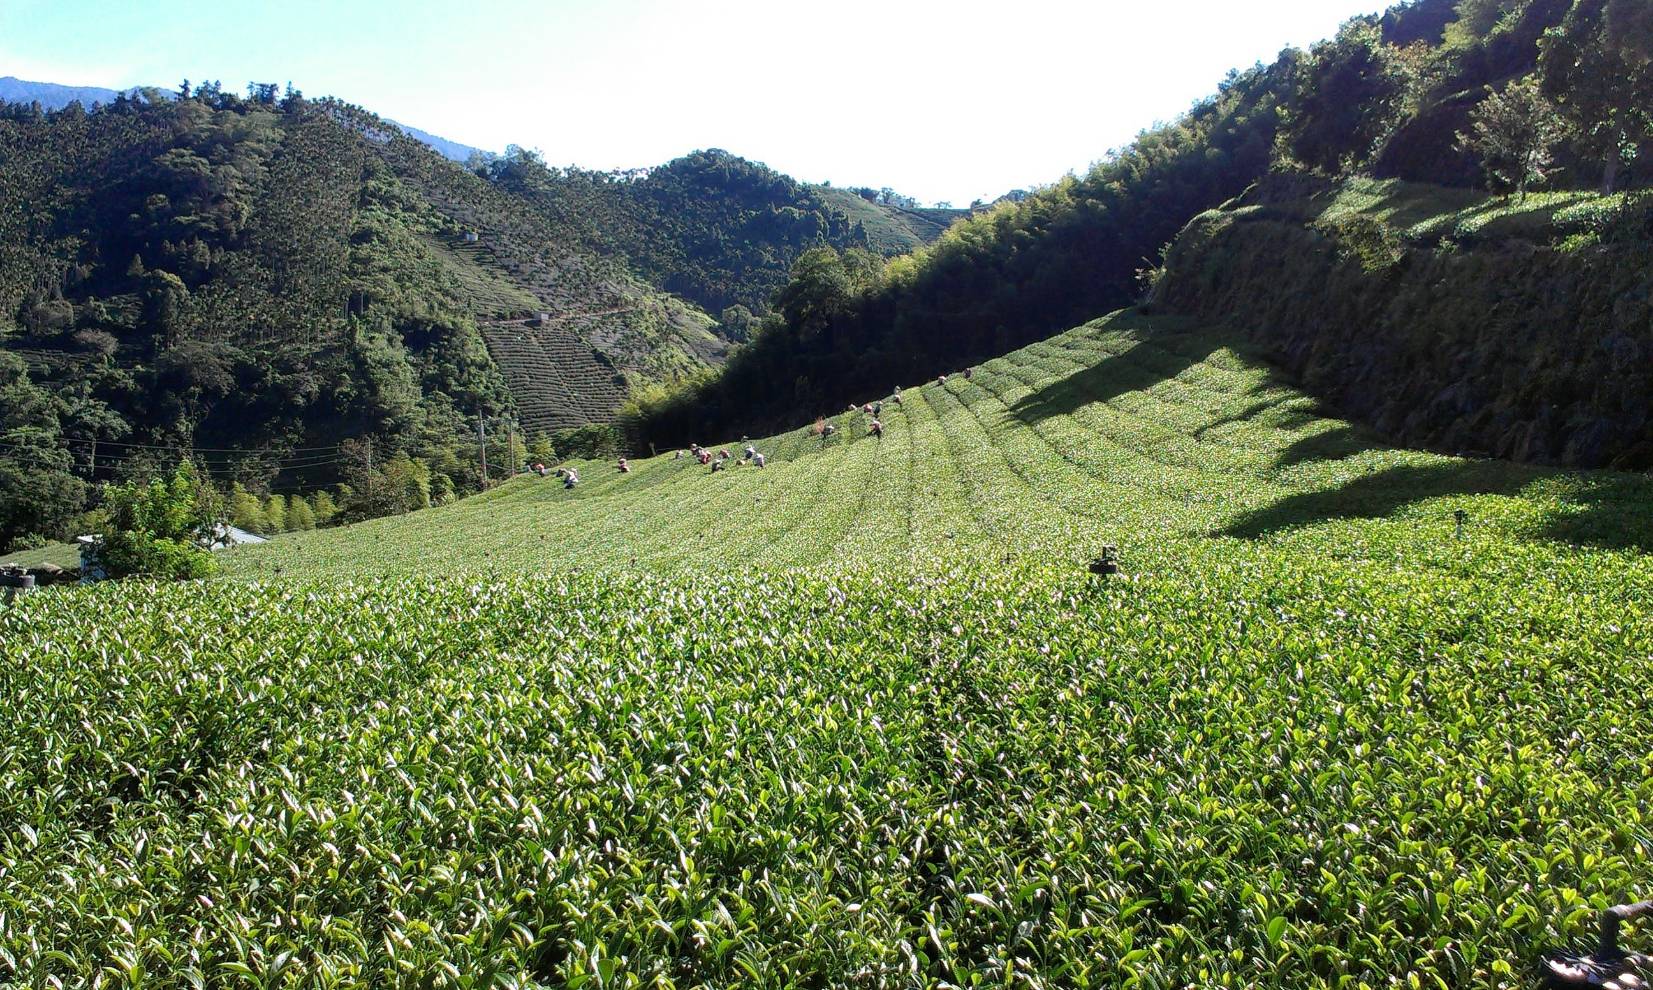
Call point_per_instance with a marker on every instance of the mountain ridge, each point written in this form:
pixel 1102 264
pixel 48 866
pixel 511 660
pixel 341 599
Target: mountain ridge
pixel 56 96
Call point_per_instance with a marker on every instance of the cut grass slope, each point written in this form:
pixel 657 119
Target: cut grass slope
pixel 1311 739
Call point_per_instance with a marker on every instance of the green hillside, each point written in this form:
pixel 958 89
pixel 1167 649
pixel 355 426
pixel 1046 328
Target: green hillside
pixel 862 717
pixel 1510 97
pixel 1444 318
pixel 259 280
pixel 890 230
pixel 1025 451
pixel 710 227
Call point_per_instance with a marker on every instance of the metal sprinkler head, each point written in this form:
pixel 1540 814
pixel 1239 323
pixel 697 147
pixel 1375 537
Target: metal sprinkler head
pixel 1608 966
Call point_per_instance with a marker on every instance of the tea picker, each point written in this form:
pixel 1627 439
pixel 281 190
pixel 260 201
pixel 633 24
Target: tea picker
pixel 1608 966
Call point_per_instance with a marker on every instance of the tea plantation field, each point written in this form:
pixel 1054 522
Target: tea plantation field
pixel 862 717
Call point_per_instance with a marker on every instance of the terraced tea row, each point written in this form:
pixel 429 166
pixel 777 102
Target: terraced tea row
pixel 1125 431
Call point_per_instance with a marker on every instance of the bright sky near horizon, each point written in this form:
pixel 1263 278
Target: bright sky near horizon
pixel 939 100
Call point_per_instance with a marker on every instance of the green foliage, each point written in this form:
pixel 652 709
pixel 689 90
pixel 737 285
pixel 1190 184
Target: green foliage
pixel 711 227
pixel 1477 19
pixel 275 514
pixel 1508 336
pixel 258 277
pixel 300 517
pixel 1597 67
pixel 322 505
pixel 1514 132
pixel 246 512
pixel 410 480
pixel 39 496
pixel 1385 96
pixel 586 442
pixel 157 529
pixel 891 228
pixel 994 281
pixel 863 718
pixel 1349 97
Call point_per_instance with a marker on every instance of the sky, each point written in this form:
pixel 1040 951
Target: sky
pixel 943 101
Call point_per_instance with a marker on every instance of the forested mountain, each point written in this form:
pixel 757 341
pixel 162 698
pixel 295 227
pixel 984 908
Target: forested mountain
pixel 258 280
pixel 711 227
pixel 1511 94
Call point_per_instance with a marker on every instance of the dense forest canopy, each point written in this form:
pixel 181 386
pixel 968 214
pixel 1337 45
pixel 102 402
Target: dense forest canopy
pixel 1510 94
pixel 712 227
pixel 213 273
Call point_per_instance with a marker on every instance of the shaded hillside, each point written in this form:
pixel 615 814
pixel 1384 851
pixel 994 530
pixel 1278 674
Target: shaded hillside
pixel 1445 319
pixel 1473 96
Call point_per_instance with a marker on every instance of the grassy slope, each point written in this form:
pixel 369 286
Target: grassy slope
pixel 1311 737
pixel 1192 440
pixel 1425 214
pixel 1444 319
pixel 64 555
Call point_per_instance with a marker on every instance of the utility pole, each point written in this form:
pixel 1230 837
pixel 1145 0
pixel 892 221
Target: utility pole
pixel 482 446
pixel 511 448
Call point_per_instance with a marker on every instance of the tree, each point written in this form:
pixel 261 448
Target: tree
pixel 275 513
pixel 1350 93
pixel 164 299
pixel 410 480
pixel 39 498
pixel 736 323
pixel 819 289
pixel 1597 66
pixel 368 494
pixel 157 529
pixel 1513 132
pixel 246 511
pixel 322 505
pixel 1476 19
pixel 300 517
pixel 36 505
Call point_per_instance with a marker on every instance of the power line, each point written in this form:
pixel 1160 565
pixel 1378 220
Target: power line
pixel 280 463
pixel 179 447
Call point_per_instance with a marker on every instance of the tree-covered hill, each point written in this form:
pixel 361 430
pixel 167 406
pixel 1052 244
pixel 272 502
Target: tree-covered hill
pixel 267 277
pixel 891 228
pixel 711 227
pixel 55 96
pixel 1506 94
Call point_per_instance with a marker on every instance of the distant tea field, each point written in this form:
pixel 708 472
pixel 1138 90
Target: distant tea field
pixel 1348 716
